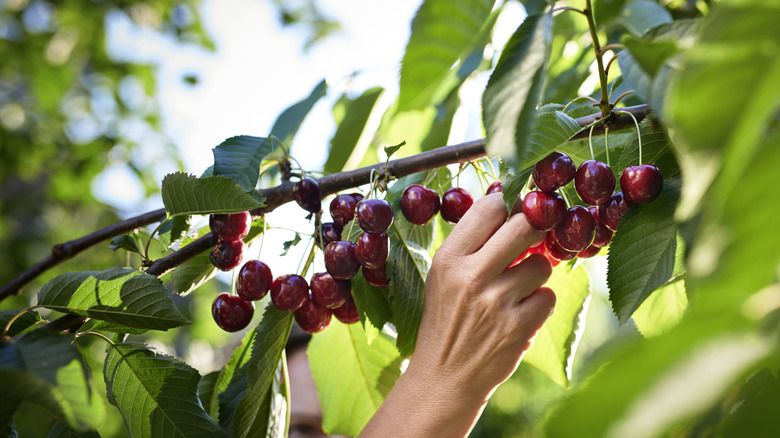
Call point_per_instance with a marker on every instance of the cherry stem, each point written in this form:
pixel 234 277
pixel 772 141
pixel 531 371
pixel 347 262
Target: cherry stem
pixel 99 335
pixel 577 99
pixel 629 92
pixel 611 60
pixel 609 47
pixel 567 8
pixel 309 259
pixel 606 143
pixel 492 169
pixel 286 377
pixel 590 142
pixel 638 135
pixel 151 236
pixel 565 197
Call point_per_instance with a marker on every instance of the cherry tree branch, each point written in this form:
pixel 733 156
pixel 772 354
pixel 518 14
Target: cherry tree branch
pixel 282 194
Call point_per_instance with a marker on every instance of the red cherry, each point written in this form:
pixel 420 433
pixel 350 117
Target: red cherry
pixel 589 252
pixel 306 193
pixel 371 250
pixel 641 184
pixel 419 204
pixel 230 226
pixel 227 254
pixel 594 182
pixel 376 277
pixel 331 231
pixel 312 317
pixel 555 250
pixel 455 203
pixel 577 229
pixel 603 234
pixel 494 187
pixel 610 212
pixel 342 209
pixel 347 312
pixel 254 280
pixel 374 215
pixel 289 291
pixel 328 291
pixel 543 210
pixel 553 172
pixel 340 260
pixel 231 312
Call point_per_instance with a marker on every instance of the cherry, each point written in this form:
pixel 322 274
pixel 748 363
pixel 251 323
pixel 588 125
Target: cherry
pixel 589 252
pixel 231 312
pixel 554 249
pixel 603 234
pixel 340 260
pixel 328 291
pixel 641 184
pixel 494 187
pixel 374 215
pixel 254 280
pixel 307 194
pixel 289 292
pixel 230 226
pixel 419 204
pixel 543 210
pixel 610 212
pixel 347 312
pixel 577 229
pixel 330 230
pixel 227 254
pixel 594 182
pixel 553 172
pixel 312 317
pixel 455 203
pixel 542 249
pixel 358 197
pixel 371 250
pixel 376 277
pixel 342 208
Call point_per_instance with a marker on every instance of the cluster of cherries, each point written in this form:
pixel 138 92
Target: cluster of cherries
pixel 580 231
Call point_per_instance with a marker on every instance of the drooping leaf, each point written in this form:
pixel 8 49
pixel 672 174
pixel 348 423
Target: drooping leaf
pixel 117 295
pixel 640 15
pixel 442 32
pixel 555 344
pixel 185 194
pixel 46 369
pixel 156 394
pixel 239 159
pixel 552 128
pixel 514 89
pixel 191 274
pixel 230 386
pixel 642 253
pixel 23 322
pixel 662 310
pixel 350 129
pixel 290 120
pixel 125 242
pixel 513 185
pixel 342 362
pixel 390 150
pixel 373 305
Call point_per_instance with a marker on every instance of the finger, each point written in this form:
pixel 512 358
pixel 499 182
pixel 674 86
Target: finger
pixel 484 217
pixel 525 277
pixel 534 311
pixel 514 237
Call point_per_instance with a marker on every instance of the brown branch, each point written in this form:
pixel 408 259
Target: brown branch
pixel 282 194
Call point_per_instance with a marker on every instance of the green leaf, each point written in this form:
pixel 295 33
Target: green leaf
pixel 180 226
pixel 251 416
pixel 642 253
pixel 635 77
pixel 350 129
pixel 551 129
pixel 390 150
pixel 193 273
pixel 61 430
pixel 231 384
pixel 373 305
pixel 118 295
pixel 286 246
pixel 342 363
pixel 640 15
pixel 47 369
pixel 186 194
pixel 22 323
pixel 290 120
pixel 156 394
pixel 8 406
pixel 650 55
pixel 239 159
pixel 514 89
pixel 605 11
pixel 125 242
pixel 442 32
pixel 207 393
pixel 512 186
pixel 555 344
pixel 662 310
pixel 656 149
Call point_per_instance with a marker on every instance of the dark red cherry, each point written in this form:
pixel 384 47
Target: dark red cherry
pixel 328 291
pixel 419 204
pixel 589 252
pixel 555 250
pixel 340 260
pixel 455 203
pixel 254 280
pixel 371 250
pixel 231 312
pixel 342 208
pixel 289 292
pixel 553 172
pixel 227 254
pixel 230 226
pixel 312 317
pixel 594 182
pixel 374 215
pixel 376 277
pixel 543 210
pixel 330 230
pixel 577 229
pixel 603 234
pixel 494 187
pixel 358 197
pixel 347 312
pixel 307 194
pixel 610 212
pixel 641 184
